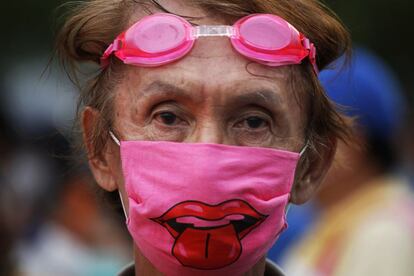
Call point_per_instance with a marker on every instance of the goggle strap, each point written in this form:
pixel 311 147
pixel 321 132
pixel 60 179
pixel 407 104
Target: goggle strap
pixel 312 58
pixel 312 53
pixel 113 47
pixel 212 30
pixel 117 45
pixel 108 52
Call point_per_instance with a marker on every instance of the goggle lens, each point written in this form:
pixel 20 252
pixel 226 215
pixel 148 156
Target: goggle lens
pixel 263 33
pixel 157 35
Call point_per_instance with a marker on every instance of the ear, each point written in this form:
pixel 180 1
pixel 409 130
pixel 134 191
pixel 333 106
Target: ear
pixel 312 170
pixel 99 163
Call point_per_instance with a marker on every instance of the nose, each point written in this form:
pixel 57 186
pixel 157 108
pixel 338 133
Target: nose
pixel 208 132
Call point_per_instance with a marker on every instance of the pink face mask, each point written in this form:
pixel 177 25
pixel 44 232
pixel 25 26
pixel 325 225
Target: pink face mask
pixel 205 209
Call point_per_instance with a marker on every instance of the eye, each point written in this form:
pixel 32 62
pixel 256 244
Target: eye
pixel 167 118
pixel 252 123
pixel 255 122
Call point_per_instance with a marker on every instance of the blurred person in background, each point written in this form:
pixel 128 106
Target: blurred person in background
pixel 51 221
pixel 366 222
pixel 202 140
pixel 72 238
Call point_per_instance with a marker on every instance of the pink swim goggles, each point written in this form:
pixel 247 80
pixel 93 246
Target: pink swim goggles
pixel 162 38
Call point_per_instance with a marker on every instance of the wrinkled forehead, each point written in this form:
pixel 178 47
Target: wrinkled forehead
pixel 212 62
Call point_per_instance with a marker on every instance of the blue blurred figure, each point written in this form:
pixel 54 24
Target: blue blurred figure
pixel 351 227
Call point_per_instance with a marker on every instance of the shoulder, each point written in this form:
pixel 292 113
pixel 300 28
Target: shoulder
pixel 128 270
pixel 271 270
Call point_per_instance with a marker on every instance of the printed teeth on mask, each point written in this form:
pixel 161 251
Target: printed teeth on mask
pixel 240 223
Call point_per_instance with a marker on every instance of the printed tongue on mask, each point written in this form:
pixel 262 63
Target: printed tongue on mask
pixel 209 248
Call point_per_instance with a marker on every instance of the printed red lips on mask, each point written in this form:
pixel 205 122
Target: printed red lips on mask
pixel 211 246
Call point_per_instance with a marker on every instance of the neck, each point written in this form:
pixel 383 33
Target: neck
pixel 258 269
pixel 144 267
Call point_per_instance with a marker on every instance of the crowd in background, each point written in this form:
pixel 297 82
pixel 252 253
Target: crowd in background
pixel 51 220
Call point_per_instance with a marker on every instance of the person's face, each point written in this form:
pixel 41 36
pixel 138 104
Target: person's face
pixel 209 97
pixel 213 95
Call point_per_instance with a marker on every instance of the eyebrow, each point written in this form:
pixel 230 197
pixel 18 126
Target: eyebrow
pixel 161 87
pixel 265 97
pixel 262 96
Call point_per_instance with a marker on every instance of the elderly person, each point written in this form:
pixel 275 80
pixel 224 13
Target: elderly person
pixel 209 119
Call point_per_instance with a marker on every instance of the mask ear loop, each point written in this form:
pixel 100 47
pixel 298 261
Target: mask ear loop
pixel 287 208
pixel 116 140
pixel 305 147
pixel 123 205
